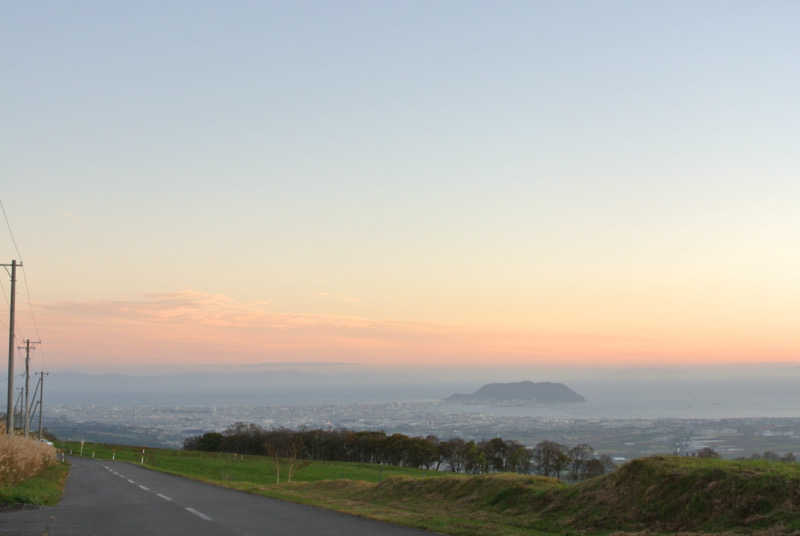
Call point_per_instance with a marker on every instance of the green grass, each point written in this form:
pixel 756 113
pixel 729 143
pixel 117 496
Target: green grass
pixel 657 495
pixel 45 488
pixel 671 494
pixel 224 467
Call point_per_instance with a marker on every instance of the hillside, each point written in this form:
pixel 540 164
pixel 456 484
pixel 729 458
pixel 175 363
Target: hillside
pixel 656 495
pixel 685 494
pixel 526 391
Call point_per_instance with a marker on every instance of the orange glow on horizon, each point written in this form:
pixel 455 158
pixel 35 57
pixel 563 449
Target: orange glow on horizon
pixel 195 328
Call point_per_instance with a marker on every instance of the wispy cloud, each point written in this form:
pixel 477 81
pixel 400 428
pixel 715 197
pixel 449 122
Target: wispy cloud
pixel 202 309
pixel 191 326
pixel 310 364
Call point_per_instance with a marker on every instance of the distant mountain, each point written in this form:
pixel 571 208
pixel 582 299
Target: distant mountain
pixel 526 392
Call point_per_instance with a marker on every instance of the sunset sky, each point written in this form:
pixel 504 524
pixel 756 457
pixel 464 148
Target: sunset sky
pixel 403 183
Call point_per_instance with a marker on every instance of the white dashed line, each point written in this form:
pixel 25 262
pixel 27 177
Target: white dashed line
pixel 189 509
pixel 201 515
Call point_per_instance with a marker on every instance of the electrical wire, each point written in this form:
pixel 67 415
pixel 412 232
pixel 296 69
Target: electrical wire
pixel 5 295
pixel 3 287
pixel 10 232
pixel 24 277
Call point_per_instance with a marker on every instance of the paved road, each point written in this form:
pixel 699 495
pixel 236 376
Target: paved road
pixel 120 499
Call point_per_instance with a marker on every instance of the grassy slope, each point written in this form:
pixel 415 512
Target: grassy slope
pixel 45 488
pixel 669 494
pixel 664 494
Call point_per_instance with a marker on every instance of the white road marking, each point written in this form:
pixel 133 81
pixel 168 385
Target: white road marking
pixel 201 515
pixel 164 497
pixel 131 481
pixel 144 487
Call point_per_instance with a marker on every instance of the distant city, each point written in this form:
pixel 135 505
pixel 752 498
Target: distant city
pixel 626 414
pixel 163 426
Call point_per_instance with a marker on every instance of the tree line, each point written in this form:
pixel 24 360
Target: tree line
pixel 768 455
pixel 547 458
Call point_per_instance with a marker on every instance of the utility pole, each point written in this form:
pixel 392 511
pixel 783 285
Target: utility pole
pixel 42 374
pixel 34 402
pixel 10 410
pixel 18 406
pixel 27 426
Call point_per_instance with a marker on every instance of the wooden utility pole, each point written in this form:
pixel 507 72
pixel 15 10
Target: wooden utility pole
pixel 42 374
pixel 18 406
pixel 27 426
pixel 10 408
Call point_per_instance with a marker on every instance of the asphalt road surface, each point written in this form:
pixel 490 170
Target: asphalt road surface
pixel 105 498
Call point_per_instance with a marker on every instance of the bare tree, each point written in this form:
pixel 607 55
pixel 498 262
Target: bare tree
pixel 295 447
pixel 579 457
pixel 550 458
pixel 274 453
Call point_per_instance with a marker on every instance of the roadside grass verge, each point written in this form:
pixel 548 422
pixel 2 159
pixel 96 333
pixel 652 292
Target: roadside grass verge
pixel 457 505
pixel 226 467
pixel 45 488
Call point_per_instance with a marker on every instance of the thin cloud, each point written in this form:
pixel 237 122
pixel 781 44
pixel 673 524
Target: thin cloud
pixel 192 326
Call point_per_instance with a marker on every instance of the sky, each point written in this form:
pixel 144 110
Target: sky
pixel 403 184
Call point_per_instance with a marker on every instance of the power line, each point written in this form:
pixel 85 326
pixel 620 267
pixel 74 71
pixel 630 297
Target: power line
pixel 30 307
pixel 5 296
pixel 24 276
pixel 10 232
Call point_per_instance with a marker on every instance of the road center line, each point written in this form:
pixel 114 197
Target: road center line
pixel 201 515
pixel 131 481
pixel 144 487
pixel 164 497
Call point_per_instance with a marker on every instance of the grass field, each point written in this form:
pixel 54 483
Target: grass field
pixel 658 495
pixel 223 467
pixel 44 488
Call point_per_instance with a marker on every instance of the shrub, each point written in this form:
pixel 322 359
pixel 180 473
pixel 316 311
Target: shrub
pixel 22 458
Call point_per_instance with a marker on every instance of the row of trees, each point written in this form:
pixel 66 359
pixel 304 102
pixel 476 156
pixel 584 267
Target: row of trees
pixel 789 457
pixel 457 455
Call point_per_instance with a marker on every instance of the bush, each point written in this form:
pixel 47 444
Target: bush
pixel 22 458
